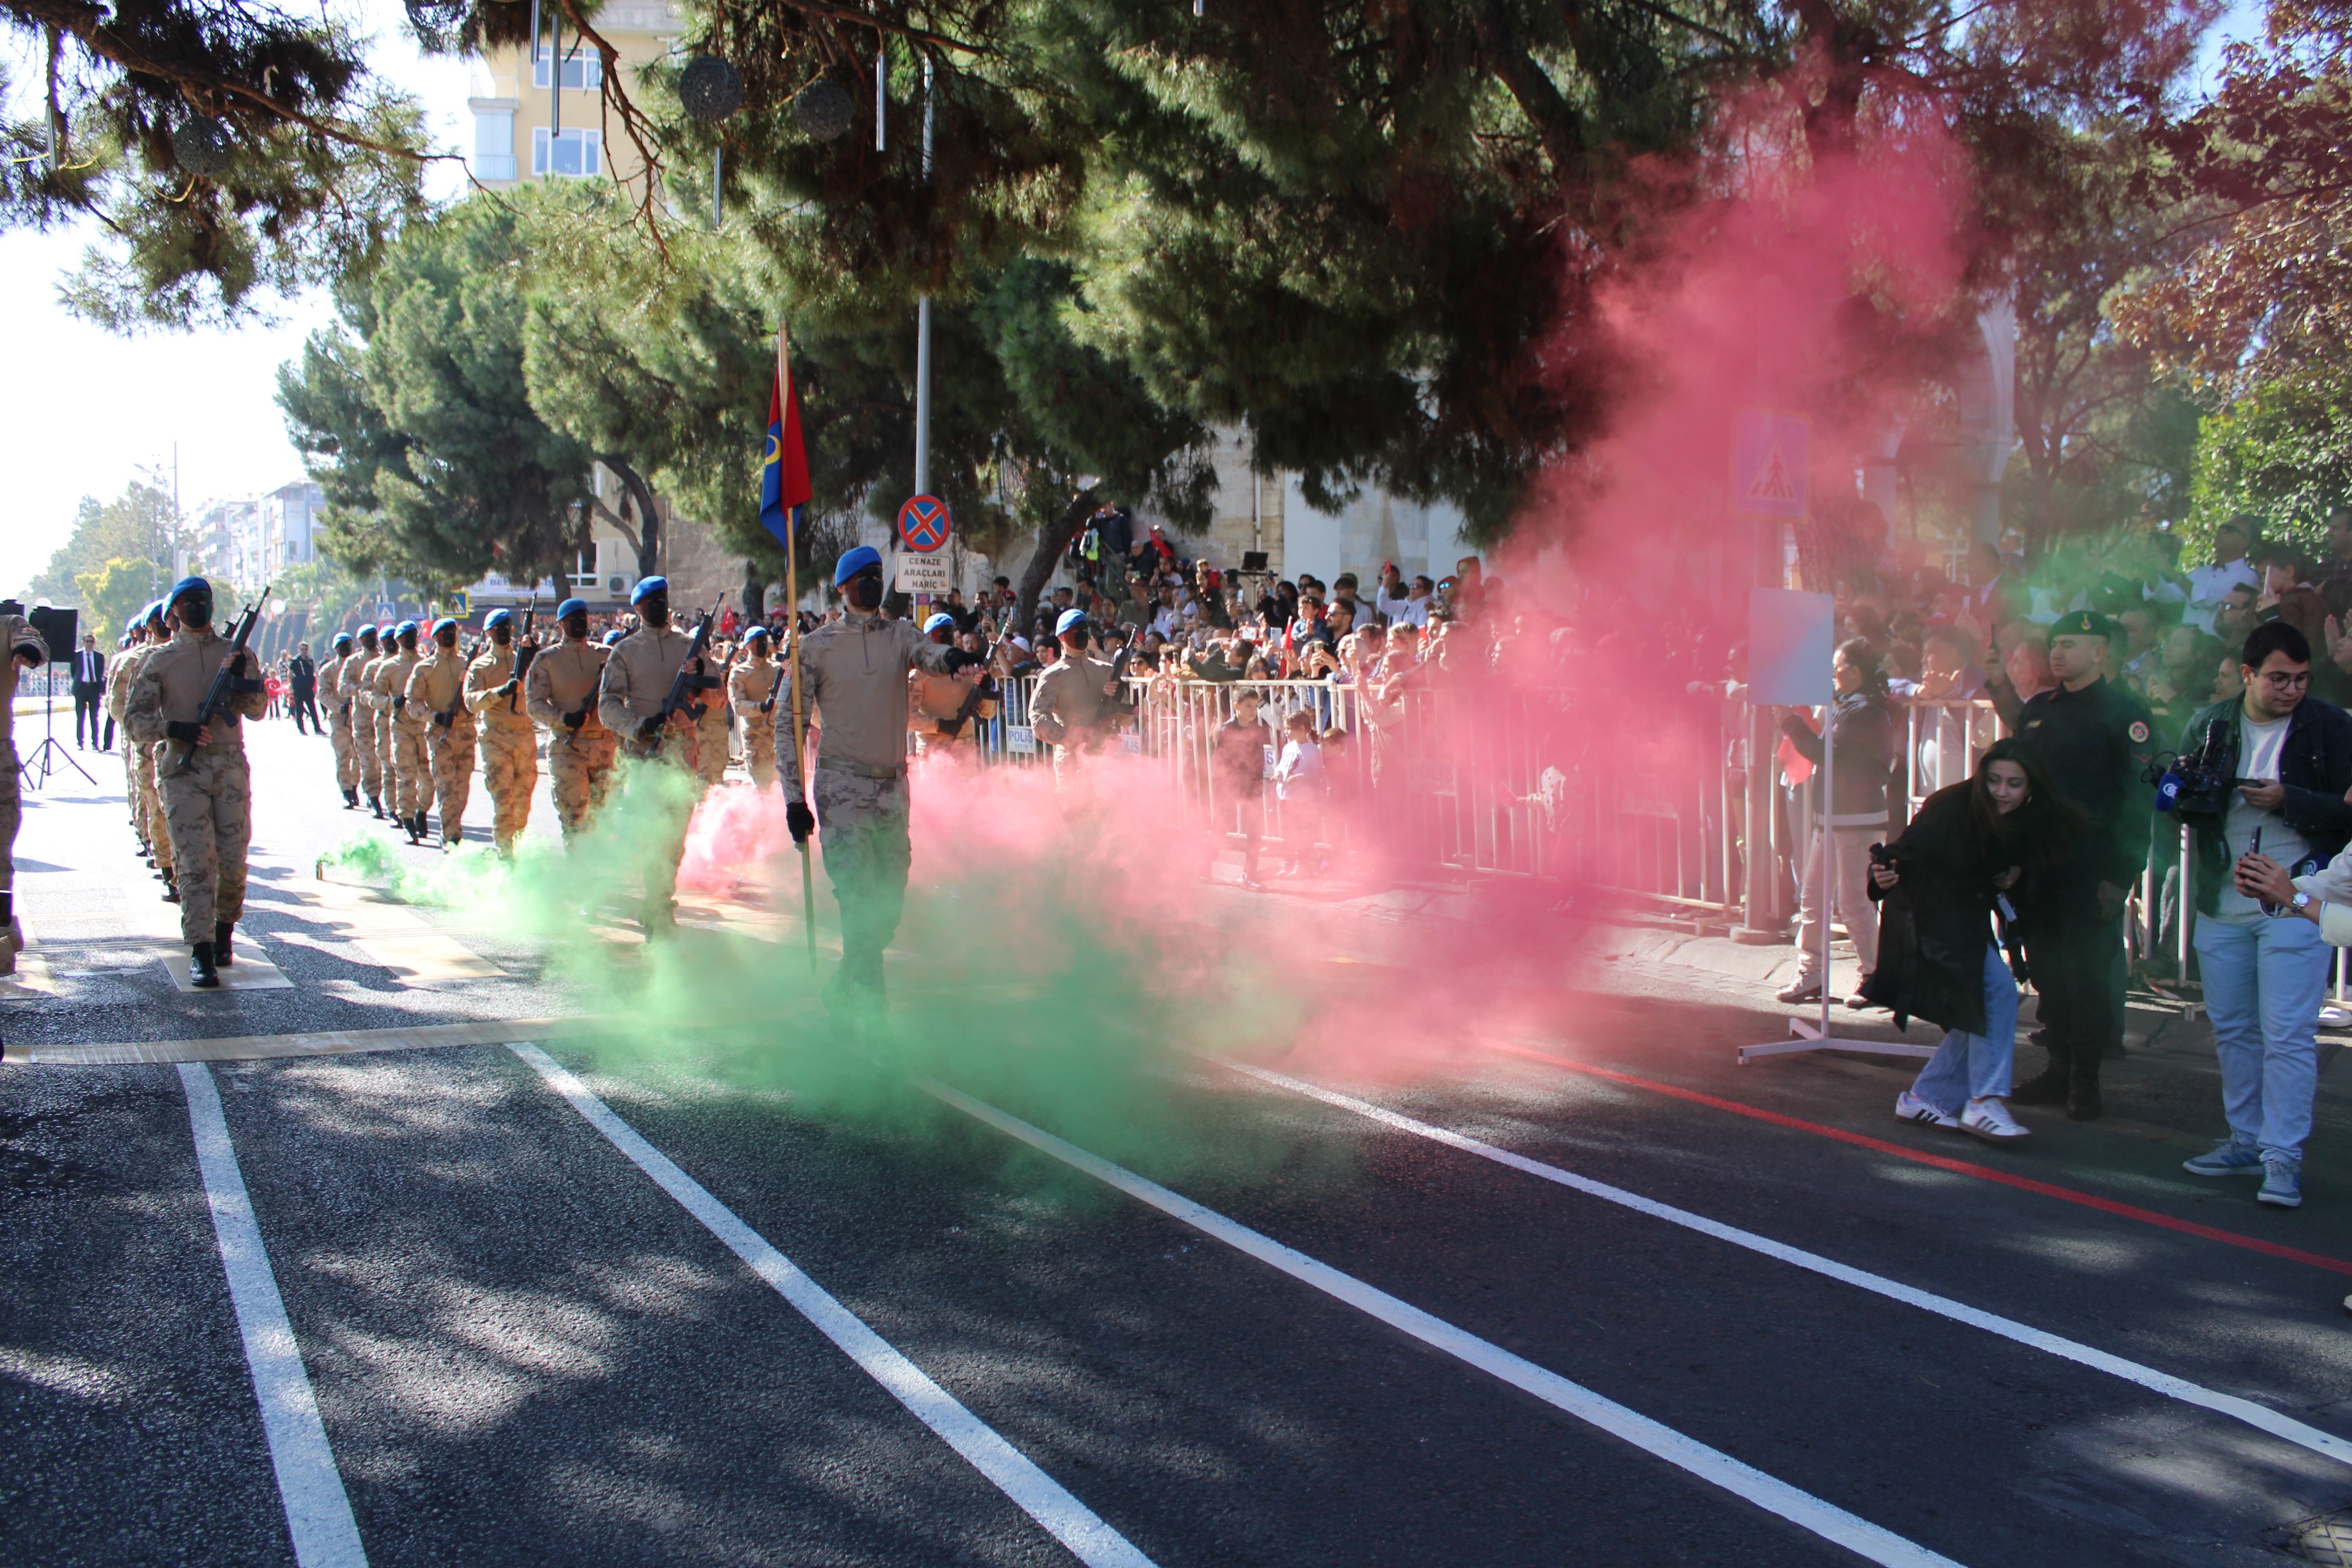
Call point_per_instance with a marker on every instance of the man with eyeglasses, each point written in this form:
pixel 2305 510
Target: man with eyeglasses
pixel 2265 972
pixel 2095 737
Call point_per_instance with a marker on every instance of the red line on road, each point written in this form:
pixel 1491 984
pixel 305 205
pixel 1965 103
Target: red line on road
pixel 1961 1168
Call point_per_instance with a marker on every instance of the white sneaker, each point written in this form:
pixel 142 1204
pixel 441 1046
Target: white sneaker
pixel 1909 1107
pixel 1990 1119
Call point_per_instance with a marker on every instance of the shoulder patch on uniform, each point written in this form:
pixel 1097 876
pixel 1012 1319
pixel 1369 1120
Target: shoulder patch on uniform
pixel 2138 731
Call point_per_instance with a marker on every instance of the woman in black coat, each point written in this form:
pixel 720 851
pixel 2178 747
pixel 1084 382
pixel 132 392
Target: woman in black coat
pixel 1975 849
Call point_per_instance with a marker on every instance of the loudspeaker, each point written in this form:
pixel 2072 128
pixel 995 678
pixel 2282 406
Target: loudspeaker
pixel 57 627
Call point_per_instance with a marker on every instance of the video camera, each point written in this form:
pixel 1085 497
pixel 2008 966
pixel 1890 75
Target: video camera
pixel 2201 783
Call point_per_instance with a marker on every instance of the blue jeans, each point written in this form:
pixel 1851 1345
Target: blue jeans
pixel 1970 1067
pixel 2263 984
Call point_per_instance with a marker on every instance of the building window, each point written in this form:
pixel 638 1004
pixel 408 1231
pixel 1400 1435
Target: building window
pixel 494 145
pixel 583 71
pixel 577 153
pixel 584 569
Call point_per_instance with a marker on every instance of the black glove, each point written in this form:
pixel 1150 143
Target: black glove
pixel 574 720
pixel 958 660
pixel 800 819
pixel 511 687
pixel 180 729
pixel 399 702
pixel 649 728
pixel 446 719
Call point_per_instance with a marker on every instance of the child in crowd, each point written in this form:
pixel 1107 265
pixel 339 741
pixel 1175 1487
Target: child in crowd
pixel 1299 784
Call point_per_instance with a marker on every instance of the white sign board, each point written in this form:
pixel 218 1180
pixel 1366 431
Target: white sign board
pixel 924 574
pixel 1021 739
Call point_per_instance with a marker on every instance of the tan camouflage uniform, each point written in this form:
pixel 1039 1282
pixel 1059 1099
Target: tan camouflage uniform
pixel 335 703
pixel 436 690
pixel 1072 708
pixel 854 676
pixel 714 732
pixel 143 756
pixel 407 760
pixel 509 744
pixel 563 679
pixel 18 642
pixel 117 688
pixel 637 679
pixel 367 731
pixel 208 808
pixel 751 682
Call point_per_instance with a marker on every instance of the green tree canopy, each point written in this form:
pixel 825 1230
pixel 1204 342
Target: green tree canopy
pixel 137 524
pixel 113 594
pixel 2283 452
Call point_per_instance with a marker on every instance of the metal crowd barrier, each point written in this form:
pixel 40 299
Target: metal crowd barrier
pixel 1492 780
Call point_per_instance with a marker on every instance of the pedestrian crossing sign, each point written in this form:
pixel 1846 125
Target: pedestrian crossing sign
pixel 1769 455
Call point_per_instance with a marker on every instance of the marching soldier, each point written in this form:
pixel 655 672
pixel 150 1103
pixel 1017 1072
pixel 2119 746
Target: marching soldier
pixel 388 650
pixel 118 687
pixel 366 753
pixel 753 686
pixel 509 744
pixel 338 710
pixel 207 790
pixel 437 693
pixel 1077 701
pixel 146 755
pixel 941 710
pixel 411 765
pixel 854 671
pixel 25 650
pixel 561 693
pixel 644 664
pixel 714 730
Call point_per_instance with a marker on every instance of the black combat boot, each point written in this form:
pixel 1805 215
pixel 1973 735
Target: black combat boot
pixel 223 954
pixel 201 972
pixel 2082 1102
pixel 351 800
pixel 2049 1087
pixel 375 805
pixel 171 889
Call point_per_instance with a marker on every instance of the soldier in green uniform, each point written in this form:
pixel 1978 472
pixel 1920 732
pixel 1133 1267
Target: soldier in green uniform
pixel 25 650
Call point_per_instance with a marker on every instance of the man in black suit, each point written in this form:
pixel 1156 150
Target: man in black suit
pixel 302 695
pixel 89 694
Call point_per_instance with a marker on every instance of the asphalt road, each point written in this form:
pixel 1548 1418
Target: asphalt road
pixel 594 1305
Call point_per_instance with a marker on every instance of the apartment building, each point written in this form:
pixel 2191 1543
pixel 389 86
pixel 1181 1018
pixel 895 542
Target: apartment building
pixel 538 111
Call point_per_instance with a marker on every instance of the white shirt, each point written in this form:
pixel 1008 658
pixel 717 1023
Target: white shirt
pixel 2258 758
pixel 1301 768
pixel 2209 585
pixel 1410 611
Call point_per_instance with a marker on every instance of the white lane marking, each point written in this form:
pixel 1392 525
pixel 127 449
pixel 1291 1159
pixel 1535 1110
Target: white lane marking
pixel 2258 1416
pixel 1033 1491
pixel 318 1511
pixel 1799 1508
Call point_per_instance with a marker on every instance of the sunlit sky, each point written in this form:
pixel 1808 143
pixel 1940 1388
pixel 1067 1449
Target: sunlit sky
pixel 86 412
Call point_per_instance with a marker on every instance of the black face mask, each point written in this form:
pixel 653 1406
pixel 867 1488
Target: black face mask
pixel 448 638
pixel 408 642
pixel 193 609
pixel 502 634
pixel 865 590
pixel 1074 641
pixel 576 628
pixel 654 610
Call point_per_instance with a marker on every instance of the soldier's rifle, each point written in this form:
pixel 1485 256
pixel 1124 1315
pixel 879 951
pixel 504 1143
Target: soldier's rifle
pixel 688 680
pixel 224 681
pixel 525 651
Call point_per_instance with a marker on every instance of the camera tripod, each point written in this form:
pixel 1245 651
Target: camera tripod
pixel 37 768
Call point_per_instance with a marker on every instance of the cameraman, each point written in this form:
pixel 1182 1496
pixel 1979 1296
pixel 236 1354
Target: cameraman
pixel 1861 727
pixel 2264 977
pixel 2094 737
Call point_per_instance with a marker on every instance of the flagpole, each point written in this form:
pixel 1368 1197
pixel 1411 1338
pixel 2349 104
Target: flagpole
pixel 792 601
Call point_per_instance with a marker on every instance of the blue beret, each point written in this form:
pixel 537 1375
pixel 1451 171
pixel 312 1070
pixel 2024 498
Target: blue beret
pixel 153 614
pixel 387 630
pixel 449 621
pixel 187 585
pixel 939 618
pixel 497 618
pixel 571 607
pixel 757 634
pixel 131 624
pixel 402 629
pixel 1069 618
pixel 648 587
pixel 856 561
pixel 343 639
